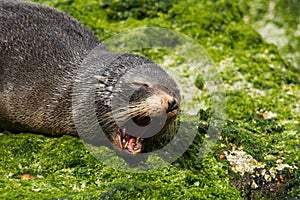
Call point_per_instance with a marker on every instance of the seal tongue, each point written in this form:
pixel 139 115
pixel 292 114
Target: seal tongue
pixel 130 143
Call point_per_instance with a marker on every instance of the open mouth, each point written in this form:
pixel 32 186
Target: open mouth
pixel 130 143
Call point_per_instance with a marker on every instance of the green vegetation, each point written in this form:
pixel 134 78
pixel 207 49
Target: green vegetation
pixel 263 117
pixel 64 169
pixel 278 21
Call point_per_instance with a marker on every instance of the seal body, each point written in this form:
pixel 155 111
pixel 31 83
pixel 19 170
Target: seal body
pixel 41 51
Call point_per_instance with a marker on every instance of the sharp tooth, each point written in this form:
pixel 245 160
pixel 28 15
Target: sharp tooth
pixel 135 152
pixel 126 144
pixel 120 141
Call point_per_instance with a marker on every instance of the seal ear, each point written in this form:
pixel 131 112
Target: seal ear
pixel 101 79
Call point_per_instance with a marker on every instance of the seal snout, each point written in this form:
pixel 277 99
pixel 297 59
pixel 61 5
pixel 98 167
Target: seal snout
pixel 172 105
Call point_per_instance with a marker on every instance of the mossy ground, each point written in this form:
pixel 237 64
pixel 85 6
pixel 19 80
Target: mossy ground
pixel 263 115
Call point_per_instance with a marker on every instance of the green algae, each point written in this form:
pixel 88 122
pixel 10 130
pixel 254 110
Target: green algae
pixel 64 169
pixel 262 116
pixel 278 22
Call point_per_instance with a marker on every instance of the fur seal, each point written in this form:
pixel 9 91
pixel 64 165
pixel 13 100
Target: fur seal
pixel 41 50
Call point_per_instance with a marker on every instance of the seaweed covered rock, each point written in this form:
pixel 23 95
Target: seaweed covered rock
pixel 256 156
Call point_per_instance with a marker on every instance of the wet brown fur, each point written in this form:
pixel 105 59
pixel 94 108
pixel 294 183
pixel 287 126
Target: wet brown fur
pixel 40 51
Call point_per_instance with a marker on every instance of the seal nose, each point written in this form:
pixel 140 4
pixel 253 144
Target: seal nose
pixel 172 105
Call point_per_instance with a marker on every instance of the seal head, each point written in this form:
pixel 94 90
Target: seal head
pixel 143 105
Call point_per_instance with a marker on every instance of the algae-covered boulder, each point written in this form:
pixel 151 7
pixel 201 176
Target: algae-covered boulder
pixel 256 155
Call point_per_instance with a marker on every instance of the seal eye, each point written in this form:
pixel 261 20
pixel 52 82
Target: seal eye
pixel 140 94
pixel 140 84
